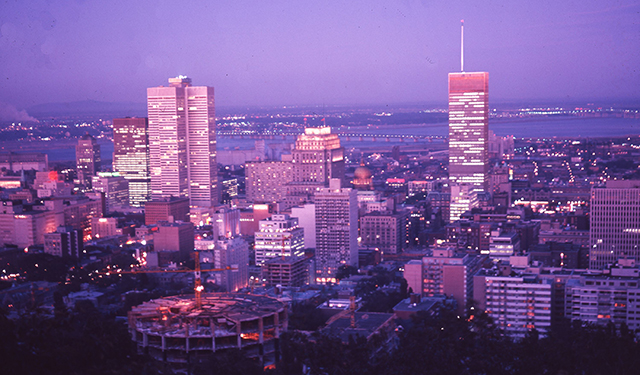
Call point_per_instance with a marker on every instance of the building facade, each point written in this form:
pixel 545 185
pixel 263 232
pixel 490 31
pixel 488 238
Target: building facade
pixel 318 156
pixel 469 128
pixel 182 142
pixel 131 156
pixel 64 242
pixel 615 223
pixel 336 230
pixel 115 189
pixel 519 304
pixel 384 231
pixel 87 159
pixel 279 235
pixel 266 180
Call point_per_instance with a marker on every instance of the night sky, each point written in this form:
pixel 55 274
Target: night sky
pixel 257 52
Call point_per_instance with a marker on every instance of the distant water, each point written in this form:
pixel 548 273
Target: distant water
pixel 520 128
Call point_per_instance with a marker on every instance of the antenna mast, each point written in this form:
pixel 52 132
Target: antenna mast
pixel 462 45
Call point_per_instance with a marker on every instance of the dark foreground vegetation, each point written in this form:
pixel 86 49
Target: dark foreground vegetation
pixel 83 341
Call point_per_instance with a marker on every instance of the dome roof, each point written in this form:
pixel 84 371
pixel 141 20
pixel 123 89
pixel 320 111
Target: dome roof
pixel 362 173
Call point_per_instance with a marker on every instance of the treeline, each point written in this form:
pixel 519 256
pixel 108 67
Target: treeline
pixel 448 344
pixel 83 341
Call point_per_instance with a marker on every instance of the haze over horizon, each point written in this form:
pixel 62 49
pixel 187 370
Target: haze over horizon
pixel 308 53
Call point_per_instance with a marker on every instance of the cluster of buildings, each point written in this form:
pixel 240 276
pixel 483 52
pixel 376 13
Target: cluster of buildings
pixel 477 223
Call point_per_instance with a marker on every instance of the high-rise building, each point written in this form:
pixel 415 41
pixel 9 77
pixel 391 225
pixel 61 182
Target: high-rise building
pixel 131 157
pixel 469 128
pixel 266 180
pixel 115 189
pixel 317 158
pixel 444 272
pixel 385 231
pixel 615 223
pixel 336 230
pixel 87 159
pixel 463 199
pixel 518 305
pixel 279 235
pixel 182 142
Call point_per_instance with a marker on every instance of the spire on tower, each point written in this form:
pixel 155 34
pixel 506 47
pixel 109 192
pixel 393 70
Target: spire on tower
pixel 462 45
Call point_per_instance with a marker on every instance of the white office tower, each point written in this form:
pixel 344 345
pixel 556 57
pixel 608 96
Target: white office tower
pixel 615 223
pixel 279 235
pixel 336 230
pixel 182 142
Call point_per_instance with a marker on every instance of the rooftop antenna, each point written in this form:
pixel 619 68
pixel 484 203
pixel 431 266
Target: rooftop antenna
pixel 462 45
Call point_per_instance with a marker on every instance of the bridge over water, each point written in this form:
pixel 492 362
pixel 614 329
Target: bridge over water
pixel 346 136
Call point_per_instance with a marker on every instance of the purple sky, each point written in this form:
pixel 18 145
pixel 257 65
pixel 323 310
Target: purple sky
pixel 257 52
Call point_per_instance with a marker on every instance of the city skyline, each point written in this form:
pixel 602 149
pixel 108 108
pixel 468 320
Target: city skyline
pixel 314 54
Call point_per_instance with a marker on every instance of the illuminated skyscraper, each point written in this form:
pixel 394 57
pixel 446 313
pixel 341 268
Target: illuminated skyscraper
pixel 182 142
pixel 469 128
pixel 468 132
pixel 87 159
pixel 131 157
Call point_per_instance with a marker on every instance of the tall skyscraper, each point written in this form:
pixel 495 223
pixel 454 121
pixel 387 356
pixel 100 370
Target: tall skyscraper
pixel 182 142
pixel 468 131
pixel 131 157
pixel 336 230
pixel 87 159
pixel 469 128
pixel 614 231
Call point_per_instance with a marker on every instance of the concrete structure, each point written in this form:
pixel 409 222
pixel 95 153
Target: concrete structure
pixel 26 227
pixel 518 304
pixel 182 142
pixel 226 222
pixel 176 237
pixel 102 227
pixel 234 253
pixel 172 329
pixel 131 157
pixel 115 189
pixel 279 235
pixel 18 161
pixel 266 180
pixel 502 245
pixel 291 271
pixel 336 230
pixel 464 197
pixel 64 242
pixel 87 159
pixel 603 299
pixel 306 216
pixel 386 232
pixel 615 223
pixel 444 272
pixel 167 209
pixel 318 156
pixel 415 187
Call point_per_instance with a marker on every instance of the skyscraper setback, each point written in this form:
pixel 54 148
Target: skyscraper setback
pixel 182 142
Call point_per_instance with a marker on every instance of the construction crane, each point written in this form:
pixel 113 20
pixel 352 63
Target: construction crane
pixel 198 287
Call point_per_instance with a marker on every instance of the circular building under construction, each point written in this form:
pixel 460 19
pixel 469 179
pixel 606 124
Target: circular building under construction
pixel 176 330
